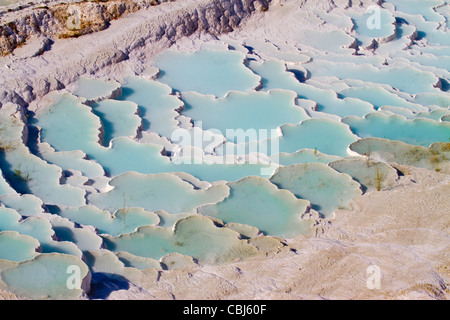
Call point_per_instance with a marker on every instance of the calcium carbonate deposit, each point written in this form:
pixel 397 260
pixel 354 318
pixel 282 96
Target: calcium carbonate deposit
pixel 205 135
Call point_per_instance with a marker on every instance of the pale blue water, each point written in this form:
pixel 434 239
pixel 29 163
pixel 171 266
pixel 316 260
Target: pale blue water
pixel 327 136
pixel 17 247
pixel 256 111
pixel 257 202
pixel 418 132
pixel 124 220
pixel 84 239
pixel 206 72
pixel 156 192
pixel 157 108
pixel 93 88
pixel 333 41
pixel 323 135
pixel 368 26
pixel 73 160
pixel 119 119
pixel 274 76
pixel 69 125
pixel 423 8
pixel 195 236
pixel 380 97
pixel 28 173
pixel 326 189
pixel 25 205
pixel 38 228
pixel 397 77
pixel 47 273
pixel 427 99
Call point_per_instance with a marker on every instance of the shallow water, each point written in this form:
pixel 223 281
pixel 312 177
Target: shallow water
pixel 215 72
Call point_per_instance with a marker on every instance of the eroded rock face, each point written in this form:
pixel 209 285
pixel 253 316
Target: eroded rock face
pixel 87 17
pixel 14 33
pixel 151 26
pixel 63 20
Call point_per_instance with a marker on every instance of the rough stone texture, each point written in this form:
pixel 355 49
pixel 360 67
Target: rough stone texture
pixel 152 29
pixel 5 295
pixel 87 17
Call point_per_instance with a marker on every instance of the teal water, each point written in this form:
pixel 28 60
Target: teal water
pixel 47 271
pixel 258 110
pixel 325 188
pixel 420 7
pixel 28 173
pixel 255 201
pixel 275 75
pixel 418 132
pixel 157 107
pixel 119 119
pixel 123 220
pixel 370 26
pixel 152 192
pixel 215 72
pixel 333 41
pixel 93 88
pixel 17 247
pixel 195 236
pixel 380 97
pixel 38 228
pixel 397 77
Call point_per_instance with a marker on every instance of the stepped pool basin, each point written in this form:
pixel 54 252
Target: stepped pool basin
pixel 222 155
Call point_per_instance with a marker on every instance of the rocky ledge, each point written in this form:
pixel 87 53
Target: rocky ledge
pixel 51 62
pixel 62 20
